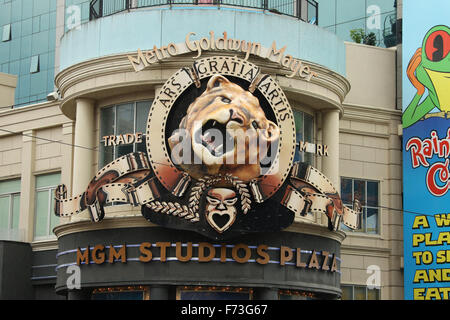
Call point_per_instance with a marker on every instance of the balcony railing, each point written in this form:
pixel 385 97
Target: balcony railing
pixel 306 10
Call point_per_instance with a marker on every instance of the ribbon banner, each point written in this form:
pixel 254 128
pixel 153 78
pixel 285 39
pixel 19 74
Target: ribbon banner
pixel 219 161
pixel 129 179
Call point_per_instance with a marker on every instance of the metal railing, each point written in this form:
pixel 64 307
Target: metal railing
pixel 306 10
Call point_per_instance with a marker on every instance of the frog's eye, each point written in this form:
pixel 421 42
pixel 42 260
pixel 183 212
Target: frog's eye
pixel 437 46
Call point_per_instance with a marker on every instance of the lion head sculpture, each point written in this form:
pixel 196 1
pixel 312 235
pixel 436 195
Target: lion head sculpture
pixel 228 132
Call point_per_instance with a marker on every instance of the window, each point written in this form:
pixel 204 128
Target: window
pixel 117 121
pixel 304 128
pixel 45 219
pixel 350 292
pixel 213 293
pixel 296 295
pixel 34 67
pixel 121 293
pixel 368 195
pixel 9 206
pixel 6 36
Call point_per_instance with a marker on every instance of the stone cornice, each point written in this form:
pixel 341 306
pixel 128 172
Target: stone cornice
pixel 43 245
pixel 37 116
pixel 141 222
pixel 90 78
pixel 107 223
pixel 366 251
pixel 316 230
pixel 363 110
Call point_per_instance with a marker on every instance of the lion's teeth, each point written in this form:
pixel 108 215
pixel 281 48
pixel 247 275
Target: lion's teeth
pixel 214 123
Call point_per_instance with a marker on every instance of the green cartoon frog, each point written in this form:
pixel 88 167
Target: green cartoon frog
pixel 430 68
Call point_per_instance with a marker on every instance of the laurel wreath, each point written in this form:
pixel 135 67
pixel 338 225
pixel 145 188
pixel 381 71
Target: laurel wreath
pixel 190 212
pixel 173 208
pixel 244 193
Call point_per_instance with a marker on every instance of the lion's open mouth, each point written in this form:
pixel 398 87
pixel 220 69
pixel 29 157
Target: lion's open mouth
pixel 215 137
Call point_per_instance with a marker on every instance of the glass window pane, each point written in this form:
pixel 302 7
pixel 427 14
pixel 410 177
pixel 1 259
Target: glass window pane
pixel 34 66
pixel 131 295
pixel 6 32
pixel 125 124
pixel 124 149
pixel 343 29
pixel 213 295
pixel 373 294
pixel 360 293
pixel 327 13
pixel 372 220
pixel 360 191
pixel 347 292
pixel 125 118
pixel 309 137
pixel 309 128
pixel 107 125
pixel 142 109
pixel 372 194
pixel 106 122
pixel 347 10
pixel 54 220
pixel 16 211
pixel 41 217
pixel 4 212
pixel 312 13
pixel 141 146
pixel 10 186
pixel 48 180
pixel 298 117
pixel 363 220
pixel 346 191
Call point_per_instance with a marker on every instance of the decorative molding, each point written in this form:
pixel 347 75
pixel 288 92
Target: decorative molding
pixel 380 113
pixel 107 223
pixel 380 252
pixel 34 117
pixel 329 81
pixel 141 222
pixel 363 133
pixel 44 245
pixel 316 230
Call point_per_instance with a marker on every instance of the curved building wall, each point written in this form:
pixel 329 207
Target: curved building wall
pixel 149 27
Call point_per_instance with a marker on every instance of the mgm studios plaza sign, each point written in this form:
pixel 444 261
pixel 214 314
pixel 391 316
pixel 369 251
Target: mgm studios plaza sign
pixel 220 144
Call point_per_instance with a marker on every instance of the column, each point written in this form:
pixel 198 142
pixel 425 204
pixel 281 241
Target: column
pixel 27 186
pixel 82 294
pixel 83 150
pixel 67 159
pixel 159 292
pixel 330 136
pixel 265 294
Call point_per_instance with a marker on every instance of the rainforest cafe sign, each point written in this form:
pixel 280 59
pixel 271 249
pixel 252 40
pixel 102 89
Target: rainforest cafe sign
pixel 220 147
pixel 438 173
pixel 143 59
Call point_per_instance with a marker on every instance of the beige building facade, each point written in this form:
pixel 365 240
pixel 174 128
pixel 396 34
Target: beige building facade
pixel 356 116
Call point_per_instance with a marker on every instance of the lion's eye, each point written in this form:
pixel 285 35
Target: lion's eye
pixel 225 100
pixel 255 125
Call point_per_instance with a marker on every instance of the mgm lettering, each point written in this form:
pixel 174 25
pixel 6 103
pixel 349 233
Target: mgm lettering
pixel 206 252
